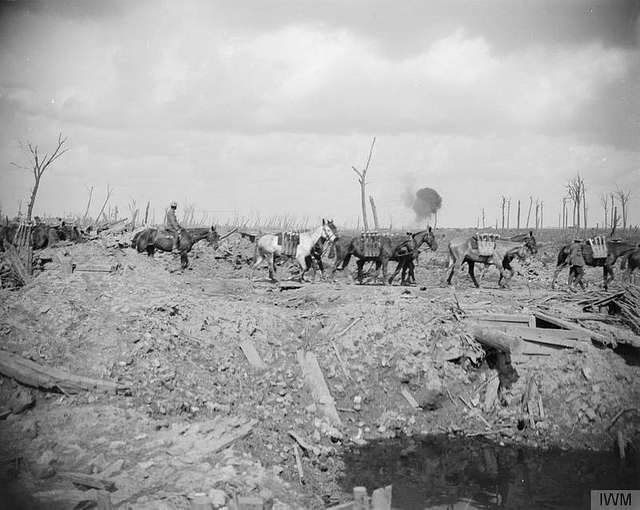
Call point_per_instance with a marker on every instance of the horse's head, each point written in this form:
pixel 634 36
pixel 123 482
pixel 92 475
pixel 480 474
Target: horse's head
pixel 430 239
pixel 213 237
pixel 329 230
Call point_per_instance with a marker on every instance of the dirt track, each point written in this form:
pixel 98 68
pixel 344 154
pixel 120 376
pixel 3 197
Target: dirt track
pixel 173 337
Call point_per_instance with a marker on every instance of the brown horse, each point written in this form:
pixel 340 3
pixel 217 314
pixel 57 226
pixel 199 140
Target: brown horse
pixel 392 248
pixel 407 261
pixel 466 250
pixel 152 239
pixel 615 250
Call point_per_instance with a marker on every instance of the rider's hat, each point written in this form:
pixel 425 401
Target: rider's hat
pixel 173 204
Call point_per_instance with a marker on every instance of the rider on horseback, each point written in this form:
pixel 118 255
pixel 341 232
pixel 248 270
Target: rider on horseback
pixel 172 226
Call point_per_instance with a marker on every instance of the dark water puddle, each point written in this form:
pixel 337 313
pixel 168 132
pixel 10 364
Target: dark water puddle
pixel 440 472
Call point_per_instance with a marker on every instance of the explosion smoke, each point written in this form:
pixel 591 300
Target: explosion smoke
pixel 426 202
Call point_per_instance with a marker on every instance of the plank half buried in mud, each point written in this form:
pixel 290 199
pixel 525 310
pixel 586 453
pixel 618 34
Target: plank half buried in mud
pixel 561 323
pixel 502 317
pixel 560 337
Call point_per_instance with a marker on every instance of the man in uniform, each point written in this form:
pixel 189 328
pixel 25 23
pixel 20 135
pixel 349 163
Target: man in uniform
pixel 172 225
pixel 576 264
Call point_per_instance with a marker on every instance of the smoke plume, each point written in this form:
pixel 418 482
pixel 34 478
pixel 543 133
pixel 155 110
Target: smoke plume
pixel 424 203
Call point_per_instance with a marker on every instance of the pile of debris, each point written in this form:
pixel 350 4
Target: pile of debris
pixel 626 303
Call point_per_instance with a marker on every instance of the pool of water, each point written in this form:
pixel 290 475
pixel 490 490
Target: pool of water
pixel 438 472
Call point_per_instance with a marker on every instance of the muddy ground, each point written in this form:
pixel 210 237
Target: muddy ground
pixel 173 338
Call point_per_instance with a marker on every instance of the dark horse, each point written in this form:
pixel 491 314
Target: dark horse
pixel 392 248
pixel 615 250
pixel 407 260
pixel 152 239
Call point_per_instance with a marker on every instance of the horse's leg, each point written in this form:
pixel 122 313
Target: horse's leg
pixel 471 265
pixel 360 265
pixel 385 264
pixel 556 272
pixel 399 267
pixel 608 274
pixel 455 266
pixel 272 269
pixel 302 261
pixel 184 260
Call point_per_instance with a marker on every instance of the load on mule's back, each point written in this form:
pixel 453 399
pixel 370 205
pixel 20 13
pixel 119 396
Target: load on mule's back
pixel 174 238
pixel 298 245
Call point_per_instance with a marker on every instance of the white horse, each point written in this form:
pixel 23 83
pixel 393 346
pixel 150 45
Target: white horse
pixel 267 248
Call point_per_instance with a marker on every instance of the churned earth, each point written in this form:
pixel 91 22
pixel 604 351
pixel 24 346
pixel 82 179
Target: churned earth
pixel 198 421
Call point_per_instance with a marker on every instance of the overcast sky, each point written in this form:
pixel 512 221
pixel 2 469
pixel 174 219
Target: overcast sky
pixel 262 107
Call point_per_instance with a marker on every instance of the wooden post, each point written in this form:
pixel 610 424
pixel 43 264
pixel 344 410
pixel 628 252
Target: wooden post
pixel 483 219
pixel 518 214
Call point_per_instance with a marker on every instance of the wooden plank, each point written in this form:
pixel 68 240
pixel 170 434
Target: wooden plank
pixel 409 398
pixel 93 482
pixel 534 349
pixel 32 374
pixel 556 321
pixel 558 337
pixel 502 317
pixel 252 355
pixel 72 497
pixel 318 386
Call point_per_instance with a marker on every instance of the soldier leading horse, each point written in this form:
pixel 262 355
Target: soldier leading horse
pixel 615 250
pixel 391 248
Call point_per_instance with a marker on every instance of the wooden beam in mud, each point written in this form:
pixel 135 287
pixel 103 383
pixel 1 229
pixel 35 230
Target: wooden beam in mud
pixel 251 353
pixel 561 323
pixel 519 318
pixel 501 340
pixel 33 374
pixel 318 386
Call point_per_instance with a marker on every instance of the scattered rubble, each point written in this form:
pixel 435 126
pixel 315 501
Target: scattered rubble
pixel 223 391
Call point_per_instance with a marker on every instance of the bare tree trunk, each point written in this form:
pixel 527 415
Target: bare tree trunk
pixel 106 200
pixel 529 213
pixel 518 214
pixel 584 205
pixel 375 213
pixel 504 201
pixel 86 211
pixel 508 214
pixel 146 214
pixel 537 213
pixel 362 179
pixel 483 219
pixel 32 200
pixel 541 214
